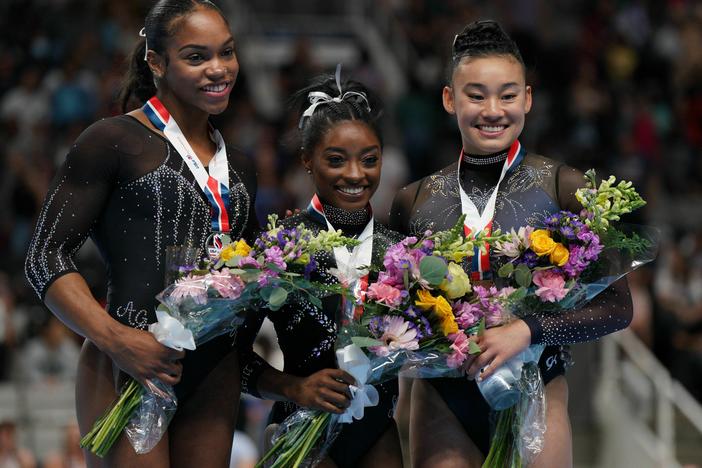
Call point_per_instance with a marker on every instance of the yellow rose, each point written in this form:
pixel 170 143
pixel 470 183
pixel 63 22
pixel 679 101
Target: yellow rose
pixel 444 313
pixel 441 308
pixel 426 300
pixel 541 242
pixel 227 253
pixel 459 285
pixel 241 248
pixel 560 254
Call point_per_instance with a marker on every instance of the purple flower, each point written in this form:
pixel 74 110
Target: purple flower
pixel 310 267
pixel 275 256
pixel 467 314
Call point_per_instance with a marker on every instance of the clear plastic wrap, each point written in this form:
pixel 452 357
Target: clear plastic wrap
pixel 302 439
pixel 150 421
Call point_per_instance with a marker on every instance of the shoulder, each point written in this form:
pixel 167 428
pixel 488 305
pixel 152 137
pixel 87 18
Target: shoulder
pixel 440 176
pixel 543 162
pixel 301 218
pixel 112 130
pixel 381 230
pixel 242 164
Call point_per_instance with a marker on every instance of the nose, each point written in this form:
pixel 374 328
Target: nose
pixel 218 68
pixel 492 108
pixel 354 171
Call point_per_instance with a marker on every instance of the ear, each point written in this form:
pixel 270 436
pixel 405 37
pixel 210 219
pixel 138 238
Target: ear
pixel 306 161
pixel 156 63
pixel 447 97
pixel 527 100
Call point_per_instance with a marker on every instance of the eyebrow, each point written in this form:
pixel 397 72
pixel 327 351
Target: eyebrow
pixel 202 47
pixel 482 86
pixel 340 149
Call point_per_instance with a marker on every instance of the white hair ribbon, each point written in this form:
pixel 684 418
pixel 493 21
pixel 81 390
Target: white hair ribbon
pixel 142 33
pixel 317 98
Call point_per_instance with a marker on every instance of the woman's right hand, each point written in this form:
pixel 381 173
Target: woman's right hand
pixel 326 390
pixel 138 354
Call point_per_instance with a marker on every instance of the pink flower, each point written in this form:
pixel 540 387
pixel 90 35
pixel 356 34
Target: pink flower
pixel 191 286
pixel 385 294
pixel 459 350
pixel 227 285
pixel 467 315
pixel 551 285
pixel 397 335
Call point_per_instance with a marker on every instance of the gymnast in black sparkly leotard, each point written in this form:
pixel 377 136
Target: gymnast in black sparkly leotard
pixel 128 189
pixel 342 153
pixel 136 187
pixel 537 188
pixel 503 186
pixel 306 336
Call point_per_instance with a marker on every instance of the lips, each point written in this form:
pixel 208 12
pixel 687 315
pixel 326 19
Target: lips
pixel 217 89
pixel 491 128
pixel 351 191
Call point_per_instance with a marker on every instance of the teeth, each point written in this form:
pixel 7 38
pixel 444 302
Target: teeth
pixel 492 128
pixel 215 88
pixel 351 190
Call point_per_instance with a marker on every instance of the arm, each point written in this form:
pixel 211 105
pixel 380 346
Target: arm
pixel 400 212
pixel 608 312
pixel 326 390
pixel 74 202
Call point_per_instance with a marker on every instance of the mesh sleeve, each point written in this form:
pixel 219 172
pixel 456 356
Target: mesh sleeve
pixel 73 204
pixel 252 365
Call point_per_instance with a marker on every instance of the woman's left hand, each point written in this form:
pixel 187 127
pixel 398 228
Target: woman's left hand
pixel 497 346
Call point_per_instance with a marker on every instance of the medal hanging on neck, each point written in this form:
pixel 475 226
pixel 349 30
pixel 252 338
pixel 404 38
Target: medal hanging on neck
pixel 349 263
pixel 215 183
pixel 475 221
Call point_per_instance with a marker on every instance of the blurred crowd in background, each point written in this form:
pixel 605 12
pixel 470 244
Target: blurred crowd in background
pixel 617 86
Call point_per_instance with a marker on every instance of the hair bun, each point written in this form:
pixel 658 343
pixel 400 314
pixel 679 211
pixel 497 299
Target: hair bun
pixel 481 38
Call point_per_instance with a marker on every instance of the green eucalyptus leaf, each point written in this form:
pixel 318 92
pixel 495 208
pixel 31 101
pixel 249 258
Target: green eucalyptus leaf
pixel 522 276
pixel 506 270
pixel 433 270
pixel 277 297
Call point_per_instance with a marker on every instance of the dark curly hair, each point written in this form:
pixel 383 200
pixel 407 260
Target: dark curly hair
pixel 358 103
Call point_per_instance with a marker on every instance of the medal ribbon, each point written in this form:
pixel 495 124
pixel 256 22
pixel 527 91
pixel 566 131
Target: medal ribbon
pixel 214 184
pixel 475 221
pixel 360 255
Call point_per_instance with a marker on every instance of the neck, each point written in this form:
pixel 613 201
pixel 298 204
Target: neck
pixel 192 122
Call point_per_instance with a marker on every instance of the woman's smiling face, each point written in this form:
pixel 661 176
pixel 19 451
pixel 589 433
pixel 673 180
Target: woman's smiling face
pixel 345 165
pixel 202 66
pixel 490 99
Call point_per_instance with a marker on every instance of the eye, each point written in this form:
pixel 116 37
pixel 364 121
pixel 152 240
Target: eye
pixel 335 161
pixel 195 58
pixel 228 52
pixel 509 97
pixel 370 161
pixel 475 97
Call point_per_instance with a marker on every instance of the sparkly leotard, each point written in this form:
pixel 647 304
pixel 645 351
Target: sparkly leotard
pixel 537 188
pixel 306 336
pixel 128 189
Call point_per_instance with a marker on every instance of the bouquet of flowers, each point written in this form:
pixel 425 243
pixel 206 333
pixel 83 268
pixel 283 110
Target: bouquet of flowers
pixel 556 268
pixel 210 298
pixel 417 316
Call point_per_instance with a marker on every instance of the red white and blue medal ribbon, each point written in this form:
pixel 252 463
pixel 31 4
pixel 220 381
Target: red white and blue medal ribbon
pixel 215 183
pixel 356 259
pixel 475 221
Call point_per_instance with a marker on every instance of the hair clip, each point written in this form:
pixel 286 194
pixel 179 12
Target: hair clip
pixel 142 33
